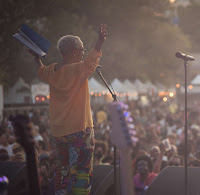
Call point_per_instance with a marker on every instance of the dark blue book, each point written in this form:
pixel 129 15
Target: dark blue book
pixel 32 40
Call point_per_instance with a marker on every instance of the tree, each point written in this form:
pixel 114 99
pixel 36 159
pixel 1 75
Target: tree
pixel 190 24
pixel 140 43
pixel 14 60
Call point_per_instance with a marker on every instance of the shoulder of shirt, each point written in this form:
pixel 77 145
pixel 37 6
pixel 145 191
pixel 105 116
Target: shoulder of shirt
pixel 72 65
pixel 46 67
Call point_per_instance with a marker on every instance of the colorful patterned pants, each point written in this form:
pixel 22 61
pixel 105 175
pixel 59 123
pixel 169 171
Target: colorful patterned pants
pixel 74 169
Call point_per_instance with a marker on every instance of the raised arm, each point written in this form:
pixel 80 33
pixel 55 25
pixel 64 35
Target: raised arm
pixel 43 71
pixel 157 166
pixel 102 37
pixel 36 59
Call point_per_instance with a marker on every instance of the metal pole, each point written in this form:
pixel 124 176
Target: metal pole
pixel 186 130
pixel 115 150
pixel 115 170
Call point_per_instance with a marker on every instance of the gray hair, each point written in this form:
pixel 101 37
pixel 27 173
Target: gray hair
pixel 67 43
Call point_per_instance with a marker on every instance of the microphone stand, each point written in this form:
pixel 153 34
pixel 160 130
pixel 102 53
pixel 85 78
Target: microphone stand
pixel 115 159
pixel 100 74
pixel 186 58
pixel 186 129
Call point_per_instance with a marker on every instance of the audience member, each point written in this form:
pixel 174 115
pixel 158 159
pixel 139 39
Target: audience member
pixel 144 175
pixel 5 145
pixel 176 161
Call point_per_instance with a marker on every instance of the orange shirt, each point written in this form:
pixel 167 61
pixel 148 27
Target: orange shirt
pixel 70 110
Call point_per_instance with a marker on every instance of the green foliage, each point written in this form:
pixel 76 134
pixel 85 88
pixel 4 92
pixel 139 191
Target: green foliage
pixel 67 23
pixel 190 23
pixel 139 44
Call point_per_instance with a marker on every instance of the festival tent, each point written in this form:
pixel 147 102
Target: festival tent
pixel 119 87
pixel 19 93
pixel 196 80
pixel 192 90
pixel 98 92
pixel 140 87
pixel 160 87
pixel 39 89
pixel 151 87
pixel 194 86
pixel 129 85
pixel 96 87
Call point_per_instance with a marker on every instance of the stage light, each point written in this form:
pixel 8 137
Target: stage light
pixel 172 1
pixel 48 96
pixel 178 85
pixel 190 87
pixel 162 74
pixel 171 94
pixel 165 99
pixel 37 98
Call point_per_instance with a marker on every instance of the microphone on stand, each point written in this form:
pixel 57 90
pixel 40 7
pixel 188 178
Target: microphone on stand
pixel 184 56
pixel 98 68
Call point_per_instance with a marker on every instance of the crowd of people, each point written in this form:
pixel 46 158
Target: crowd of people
pixel 154 122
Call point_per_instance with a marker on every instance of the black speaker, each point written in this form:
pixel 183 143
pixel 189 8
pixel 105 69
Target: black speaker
pixel 17 175
pixel 103 180
pixel 16 172
pixel 171 180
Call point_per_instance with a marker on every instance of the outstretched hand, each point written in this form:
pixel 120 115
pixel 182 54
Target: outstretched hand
pixel 36 58
pixel 162 148
pixel 102 36
pixel 103 32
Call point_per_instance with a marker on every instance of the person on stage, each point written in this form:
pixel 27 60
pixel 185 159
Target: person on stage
pixel 70 113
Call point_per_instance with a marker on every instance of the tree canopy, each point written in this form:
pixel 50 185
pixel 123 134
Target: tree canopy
pixel 190 24
pixel 141 42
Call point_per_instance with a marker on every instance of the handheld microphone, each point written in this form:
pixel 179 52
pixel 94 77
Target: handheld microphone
pixel 184 56
pixel 99 67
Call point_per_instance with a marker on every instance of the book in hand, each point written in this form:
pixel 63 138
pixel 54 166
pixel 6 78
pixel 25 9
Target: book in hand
pixel 32 40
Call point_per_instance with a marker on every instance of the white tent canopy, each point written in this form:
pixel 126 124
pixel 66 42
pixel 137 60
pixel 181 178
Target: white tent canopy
pixel 18 93
pixel 39 89
pixel 160 87
pixel 96 87
pixel 140 87
pixel 130 86
pixel 196 80
pixel 195 89
pixel 119 87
